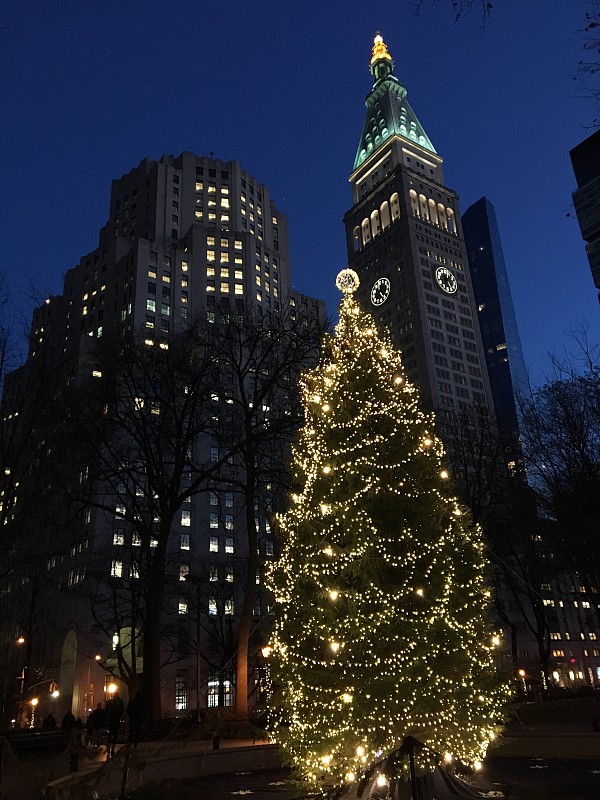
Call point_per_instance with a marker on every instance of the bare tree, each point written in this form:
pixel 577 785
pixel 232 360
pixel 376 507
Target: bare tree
pixel 261 357
pixel 561 436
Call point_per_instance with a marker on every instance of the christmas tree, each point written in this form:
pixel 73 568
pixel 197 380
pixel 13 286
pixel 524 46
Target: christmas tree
pixel 382 628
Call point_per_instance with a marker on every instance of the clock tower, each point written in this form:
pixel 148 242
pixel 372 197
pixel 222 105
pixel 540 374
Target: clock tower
pixel 405 241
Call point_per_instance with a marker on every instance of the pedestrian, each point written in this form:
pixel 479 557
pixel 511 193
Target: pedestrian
pixel 97 722
pixel 135 712
pixel 114 711
pixel 68 722
pixel 49 723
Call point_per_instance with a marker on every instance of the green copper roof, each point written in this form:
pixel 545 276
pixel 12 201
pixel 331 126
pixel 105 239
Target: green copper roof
pixel 388 111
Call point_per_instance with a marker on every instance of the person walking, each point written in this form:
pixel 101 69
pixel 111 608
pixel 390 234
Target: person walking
pixel 68 722
pixel 135 712
pixel 49 723
pixel 114 711
pixel 96 723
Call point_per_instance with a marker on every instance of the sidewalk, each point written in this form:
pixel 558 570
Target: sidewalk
pixel 154 761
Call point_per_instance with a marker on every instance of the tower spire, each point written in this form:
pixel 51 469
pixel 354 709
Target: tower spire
pixel 388 111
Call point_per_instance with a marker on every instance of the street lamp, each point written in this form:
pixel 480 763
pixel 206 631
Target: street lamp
pixel 111 688
pixel 34 701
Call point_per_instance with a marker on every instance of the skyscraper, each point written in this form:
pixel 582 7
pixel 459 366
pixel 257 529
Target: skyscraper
pixel 585 159
pixel 497 321
pixel 187 237
pixel 404 239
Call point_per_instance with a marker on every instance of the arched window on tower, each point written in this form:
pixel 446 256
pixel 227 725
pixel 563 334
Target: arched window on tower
pixel 442 217
pixel 366 231
pixel 356 239
pixel 433 215
pixel 423 209
pixel 414 203
pixel 385 214
pixel 451 221
pixel 375 225
pixel 395 203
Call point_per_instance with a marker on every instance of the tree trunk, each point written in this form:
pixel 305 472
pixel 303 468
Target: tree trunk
pixel 247 615
pixel 151 647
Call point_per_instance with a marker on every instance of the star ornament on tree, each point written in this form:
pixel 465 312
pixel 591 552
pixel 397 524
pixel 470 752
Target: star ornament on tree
pixel 347 281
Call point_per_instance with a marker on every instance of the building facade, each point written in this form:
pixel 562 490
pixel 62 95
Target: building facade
pixel 497 321
pixel 405 241
pixel 187 237
pixel 585 159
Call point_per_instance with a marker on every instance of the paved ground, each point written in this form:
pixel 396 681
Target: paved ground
pixel 518 779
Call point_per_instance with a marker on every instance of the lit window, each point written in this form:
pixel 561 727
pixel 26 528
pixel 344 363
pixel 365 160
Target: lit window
pixel 210 255
pixel 213 574
pixel 96 373
pixel 186 518
pixel 212 607
pixel 184 266
pixel 269 547
pixel 224 288
pixel 229 544
pixel 184 570
pixel 152 272
pixel 238 275
pixel 229 606
pixel 199 186
pixel 181 690
pixel 212 215
pixel 224 272
pixel 237 244
pixel 198 213
pixel 118 537
pixel 229 574
pixel 116 569
pixel 151 306
pixel 213 545
pixel 166 277
pixel 224 258
pixel 183 605
pixel 214 520
pixel 239 288
pixel 229 522
pixel 185 541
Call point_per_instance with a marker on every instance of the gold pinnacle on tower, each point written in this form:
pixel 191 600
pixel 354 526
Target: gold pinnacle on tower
pixel 379 49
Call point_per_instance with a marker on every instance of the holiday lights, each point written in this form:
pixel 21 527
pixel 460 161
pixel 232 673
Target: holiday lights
pixel 382 630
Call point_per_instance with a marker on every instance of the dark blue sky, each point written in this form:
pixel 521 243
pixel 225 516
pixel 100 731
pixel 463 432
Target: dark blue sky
pixel 90 88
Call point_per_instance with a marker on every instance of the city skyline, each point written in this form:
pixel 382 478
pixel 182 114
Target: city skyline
pixel 89 93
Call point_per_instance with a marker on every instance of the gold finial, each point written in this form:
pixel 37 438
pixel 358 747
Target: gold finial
pixel 379 49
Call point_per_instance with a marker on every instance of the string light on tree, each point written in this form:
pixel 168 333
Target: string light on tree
pixel 381 585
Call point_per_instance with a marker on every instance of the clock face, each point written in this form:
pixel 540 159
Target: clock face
pixel 446 280
pixel 380 291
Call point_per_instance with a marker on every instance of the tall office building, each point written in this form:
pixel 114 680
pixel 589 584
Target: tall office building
pixel 497 321
pixel 404 239
pixel 186 237
pixel 585 159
